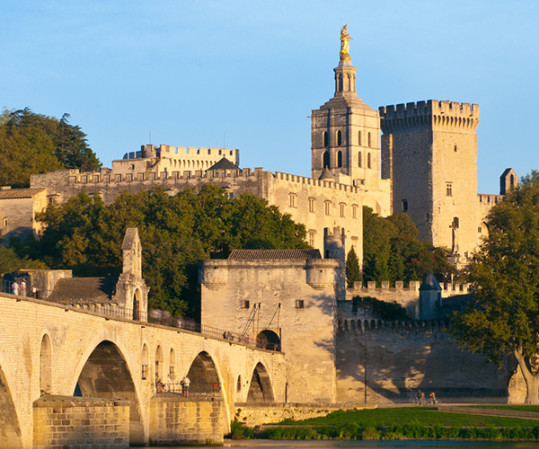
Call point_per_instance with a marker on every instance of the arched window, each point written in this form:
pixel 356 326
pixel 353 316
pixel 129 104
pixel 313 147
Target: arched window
pixel 340 83
pixel 339 138
pixel 326 142
pixel 359 159
pixel 369 140
pixel 512 182
pixel 339 159
pixel 359 137
pixel 45 364
pixel 369 160
pixel 325 160
pixel 238 384
pixel 404 205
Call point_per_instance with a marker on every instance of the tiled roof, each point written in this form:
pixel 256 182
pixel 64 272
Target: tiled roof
pixel 89 289
pixel 224 164
pixel 18 193
pixel 273 254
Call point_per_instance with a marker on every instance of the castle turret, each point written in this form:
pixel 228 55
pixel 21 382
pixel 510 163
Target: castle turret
pixel 508 181
pixel 430 154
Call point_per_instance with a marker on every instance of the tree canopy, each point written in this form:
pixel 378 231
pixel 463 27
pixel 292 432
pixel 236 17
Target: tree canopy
pixel 391 250
pixel 503 318
pixel 176 232
pixel 33 143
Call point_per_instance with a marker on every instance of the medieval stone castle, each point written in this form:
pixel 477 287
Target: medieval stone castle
pixel 314 343
pixel 424 165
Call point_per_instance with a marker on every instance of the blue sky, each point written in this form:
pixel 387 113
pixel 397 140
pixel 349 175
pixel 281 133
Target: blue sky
pixel 246 74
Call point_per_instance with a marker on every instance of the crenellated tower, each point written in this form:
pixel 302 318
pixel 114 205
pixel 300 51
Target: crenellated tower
pixel 345 135
pixel 429 151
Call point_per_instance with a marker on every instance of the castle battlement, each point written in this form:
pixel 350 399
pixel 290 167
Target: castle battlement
pixel 107 177
pixel 317 182
pixel 429 113
pixel 349 326
pixel 489 200
pixel 413 286
pixel 174 152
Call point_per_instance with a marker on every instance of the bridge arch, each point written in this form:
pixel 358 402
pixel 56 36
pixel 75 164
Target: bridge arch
pixel 260 388
pixel 10 431
pixel 45 365
pixel 106 374
pixel 204 375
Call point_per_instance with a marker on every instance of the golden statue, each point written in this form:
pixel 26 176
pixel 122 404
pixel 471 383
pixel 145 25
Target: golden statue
pixel 345 42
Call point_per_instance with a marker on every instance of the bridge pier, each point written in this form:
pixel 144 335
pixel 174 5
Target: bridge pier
pixel 175 419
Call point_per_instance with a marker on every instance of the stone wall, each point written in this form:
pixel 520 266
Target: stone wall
pixel 79 423
pixel 314 203
pixel 396 359
pixel 256 415
pixel 175 419
pixel 295 300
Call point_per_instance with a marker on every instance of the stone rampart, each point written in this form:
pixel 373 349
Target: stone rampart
pixel 75 422
pixel 384 362
pixel 407 297
pixel 178 420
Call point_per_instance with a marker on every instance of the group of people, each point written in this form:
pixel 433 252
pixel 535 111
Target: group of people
pixel 20 288
pixel 421 400
pixel 185 384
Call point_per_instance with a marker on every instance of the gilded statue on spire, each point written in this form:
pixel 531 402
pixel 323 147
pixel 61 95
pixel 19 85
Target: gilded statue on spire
pixel 345 42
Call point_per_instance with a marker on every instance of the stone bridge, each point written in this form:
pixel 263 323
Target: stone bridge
pixel 67 373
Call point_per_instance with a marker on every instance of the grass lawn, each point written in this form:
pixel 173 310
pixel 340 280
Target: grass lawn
pixel 425 416
pixel 516 408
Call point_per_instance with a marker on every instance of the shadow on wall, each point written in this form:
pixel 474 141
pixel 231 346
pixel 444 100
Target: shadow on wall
pixel 396 362
pixel 10 432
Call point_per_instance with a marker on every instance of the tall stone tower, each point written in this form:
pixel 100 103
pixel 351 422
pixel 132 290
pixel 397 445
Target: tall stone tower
pixel 345 135
pixel 429 151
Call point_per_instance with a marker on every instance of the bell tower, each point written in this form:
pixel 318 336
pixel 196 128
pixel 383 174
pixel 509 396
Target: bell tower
pixel 345 131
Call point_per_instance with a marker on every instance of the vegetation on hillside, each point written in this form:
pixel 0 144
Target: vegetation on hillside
pixel 503 318
pixel 176 232
pixel 391 251
pixel 33 143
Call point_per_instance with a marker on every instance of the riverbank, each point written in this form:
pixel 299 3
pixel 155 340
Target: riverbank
pixel 402 423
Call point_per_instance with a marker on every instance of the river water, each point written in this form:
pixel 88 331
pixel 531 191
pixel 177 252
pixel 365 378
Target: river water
pixel 280 444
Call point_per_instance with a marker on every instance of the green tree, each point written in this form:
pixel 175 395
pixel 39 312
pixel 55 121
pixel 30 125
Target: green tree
pixel 176 232
pixel 10 261
pixel 391 250
pixel 352 268
pixel 503 318
pixel 33 143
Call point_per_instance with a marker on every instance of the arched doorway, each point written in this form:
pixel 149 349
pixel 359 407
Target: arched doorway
pixel 45 364
pixel 106 375
pixel 10 432
pixel 260 386
pixel 268 340
pixel 203 376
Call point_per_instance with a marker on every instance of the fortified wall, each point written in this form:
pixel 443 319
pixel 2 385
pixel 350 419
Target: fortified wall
pixel 407 297
pixel 318 204
pixel 386 362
